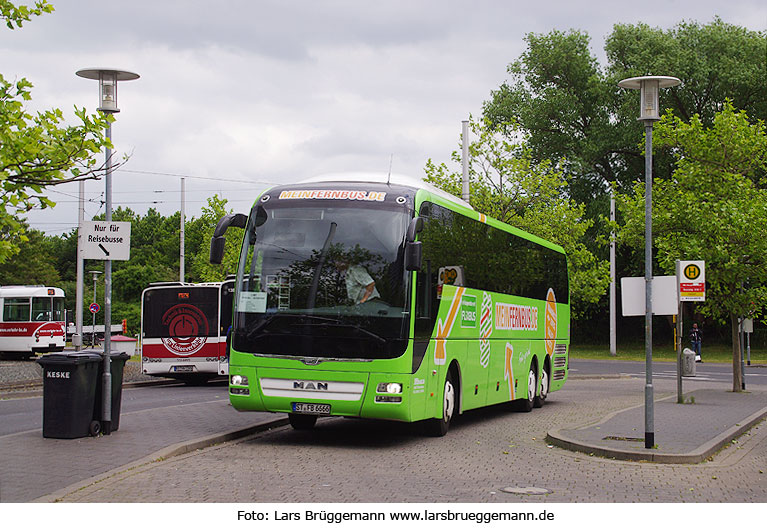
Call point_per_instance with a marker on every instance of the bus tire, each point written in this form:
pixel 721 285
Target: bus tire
pixel 525 405
pixel 438 427
pixel 545 382
pixel 302 422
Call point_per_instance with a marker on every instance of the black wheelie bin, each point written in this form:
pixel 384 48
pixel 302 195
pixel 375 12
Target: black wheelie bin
pixel 69 391
pixel 117 367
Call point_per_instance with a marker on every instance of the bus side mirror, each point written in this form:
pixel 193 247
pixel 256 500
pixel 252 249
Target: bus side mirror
pixel 218 241
pixel 413 256
pixel 416 226
pixel 217 245
pixel 413 250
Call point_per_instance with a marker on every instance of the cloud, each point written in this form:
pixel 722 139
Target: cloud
pixel 273 91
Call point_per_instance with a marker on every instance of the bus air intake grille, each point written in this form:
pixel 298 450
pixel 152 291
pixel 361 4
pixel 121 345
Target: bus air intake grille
pixel 321 390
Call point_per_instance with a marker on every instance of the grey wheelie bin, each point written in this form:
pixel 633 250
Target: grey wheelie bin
pixel 69 391
pixel 117 367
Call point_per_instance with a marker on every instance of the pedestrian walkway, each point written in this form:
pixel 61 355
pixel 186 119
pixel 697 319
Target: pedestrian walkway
pixel 690 432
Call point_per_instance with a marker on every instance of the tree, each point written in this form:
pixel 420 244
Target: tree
pixel 508 185
pixel 713 208
pixel 38 150
pixel 34 263
pixel 716 62
pixel 200 232
pixel 570 108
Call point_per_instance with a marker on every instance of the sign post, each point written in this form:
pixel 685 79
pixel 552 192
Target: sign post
pixel 691 278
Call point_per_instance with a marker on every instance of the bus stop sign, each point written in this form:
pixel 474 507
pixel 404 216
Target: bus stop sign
pixel 692 281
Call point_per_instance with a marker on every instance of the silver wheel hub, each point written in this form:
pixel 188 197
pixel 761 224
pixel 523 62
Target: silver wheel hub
pixel 449 402
pixel 531 384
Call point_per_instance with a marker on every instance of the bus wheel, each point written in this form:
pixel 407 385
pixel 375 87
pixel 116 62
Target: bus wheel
pixel 438 427
pixel 302 422
pixel 525 405
pixel 539 400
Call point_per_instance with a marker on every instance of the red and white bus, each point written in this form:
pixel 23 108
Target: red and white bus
pixel 31 320
pixel 184 328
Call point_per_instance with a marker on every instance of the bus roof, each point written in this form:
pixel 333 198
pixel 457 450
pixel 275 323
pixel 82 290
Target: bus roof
pixel 384 178
pixel 31 291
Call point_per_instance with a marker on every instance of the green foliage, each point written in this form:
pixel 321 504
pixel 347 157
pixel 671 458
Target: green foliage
pixel 201 232
pixel 506 183
pixel 568 108
pixel 714 208
pixel 15 16
pixel 34 264
pixel 38 150
pixel 716 62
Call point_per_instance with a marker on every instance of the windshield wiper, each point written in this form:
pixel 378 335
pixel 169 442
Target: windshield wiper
pixel 291 319
pixel 355 327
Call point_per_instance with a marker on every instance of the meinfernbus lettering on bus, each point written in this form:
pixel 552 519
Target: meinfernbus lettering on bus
pixel 184 330
pixel 383 297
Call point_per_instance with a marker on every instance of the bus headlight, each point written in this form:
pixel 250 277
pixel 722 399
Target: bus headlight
pixel 391 388
pixel 237 379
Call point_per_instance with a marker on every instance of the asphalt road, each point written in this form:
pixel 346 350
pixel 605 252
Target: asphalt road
pixel 704 372
pixel 25 414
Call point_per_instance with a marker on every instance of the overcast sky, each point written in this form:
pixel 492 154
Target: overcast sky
pixel 238 95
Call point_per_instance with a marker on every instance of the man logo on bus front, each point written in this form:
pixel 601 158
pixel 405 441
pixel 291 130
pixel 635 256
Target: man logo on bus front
pixel 188 329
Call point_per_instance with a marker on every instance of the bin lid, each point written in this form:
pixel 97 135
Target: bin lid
pixel 116 354
pixel 69 358
pixel 121 338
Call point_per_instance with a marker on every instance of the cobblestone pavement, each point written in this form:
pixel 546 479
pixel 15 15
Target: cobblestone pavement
pixel 484 452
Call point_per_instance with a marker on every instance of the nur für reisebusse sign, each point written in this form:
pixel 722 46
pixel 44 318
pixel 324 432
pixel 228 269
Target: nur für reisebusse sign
pixel 692 281
pixel 106 240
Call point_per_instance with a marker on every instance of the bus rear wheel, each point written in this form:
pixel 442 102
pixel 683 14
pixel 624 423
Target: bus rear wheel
pixel 302 422
pixel 439 427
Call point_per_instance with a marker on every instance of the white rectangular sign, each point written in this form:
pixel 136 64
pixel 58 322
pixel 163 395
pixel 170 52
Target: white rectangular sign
pixel 692 280
pixel 106 240
pixel 664 301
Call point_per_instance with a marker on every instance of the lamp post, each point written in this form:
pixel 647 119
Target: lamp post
pixel 649 87
pixel 107 78
pixel 93 330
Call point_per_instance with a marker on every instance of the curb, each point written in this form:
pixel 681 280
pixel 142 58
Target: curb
pixel 173 450
pixel 700 454
pixel 35 387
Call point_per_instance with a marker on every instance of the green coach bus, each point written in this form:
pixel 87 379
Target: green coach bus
pixel 384 297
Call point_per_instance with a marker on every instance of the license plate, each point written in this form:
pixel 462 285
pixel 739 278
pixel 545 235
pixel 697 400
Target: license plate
pixel 182 368
pixel 316 409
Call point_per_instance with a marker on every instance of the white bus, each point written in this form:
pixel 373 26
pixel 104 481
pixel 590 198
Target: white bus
pixel 184 328
pixel 31 320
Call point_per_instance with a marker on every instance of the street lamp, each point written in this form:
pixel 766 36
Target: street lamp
pixel 649 87
pixel 93 330
pixel 107 78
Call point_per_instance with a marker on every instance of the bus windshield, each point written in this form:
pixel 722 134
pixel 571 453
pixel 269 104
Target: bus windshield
pixel 323 281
